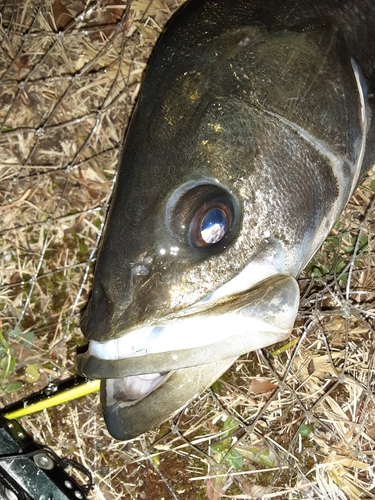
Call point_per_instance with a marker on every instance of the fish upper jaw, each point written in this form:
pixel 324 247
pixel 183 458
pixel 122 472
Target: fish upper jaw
pixel 160 335
pixel 210 330
pixel 162 338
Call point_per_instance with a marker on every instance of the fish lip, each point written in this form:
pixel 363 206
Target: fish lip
pixel 265 315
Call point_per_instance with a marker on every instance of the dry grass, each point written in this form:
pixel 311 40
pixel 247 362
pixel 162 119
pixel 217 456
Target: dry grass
pixel 294 423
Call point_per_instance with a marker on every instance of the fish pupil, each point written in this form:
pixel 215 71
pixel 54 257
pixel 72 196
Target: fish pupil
pixel 214 226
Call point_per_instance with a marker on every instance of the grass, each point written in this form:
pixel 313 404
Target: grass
pixel 292 421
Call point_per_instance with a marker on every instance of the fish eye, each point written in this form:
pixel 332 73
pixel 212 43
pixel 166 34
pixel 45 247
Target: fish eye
pixel 201 215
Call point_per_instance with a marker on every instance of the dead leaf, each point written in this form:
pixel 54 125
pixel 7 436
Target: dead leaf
pixel 261 386
pixel 61 15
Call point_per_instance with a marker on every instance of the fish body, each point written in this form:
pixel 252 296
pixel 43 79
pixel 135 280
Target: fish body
pixel 252 129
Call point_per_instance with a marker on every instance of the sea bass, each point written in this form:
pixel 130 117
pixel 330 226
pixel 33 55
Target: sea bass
pixel 252 129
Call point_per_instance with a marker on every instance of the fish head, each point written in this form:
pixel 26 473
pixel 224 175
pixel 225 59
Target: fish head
pixel 194 229
pixel 222 196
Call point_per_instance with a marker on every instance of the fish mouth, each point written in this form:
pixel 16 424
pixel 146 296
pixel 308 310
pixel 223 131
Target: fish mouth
pixel 208 338
pixel 206 331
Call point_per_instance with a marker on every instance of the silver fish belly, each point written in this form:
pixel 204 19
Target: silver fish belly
pixel 252 129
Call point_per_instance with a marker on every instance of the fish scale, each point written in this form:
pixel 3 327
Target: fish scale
pixel 259 112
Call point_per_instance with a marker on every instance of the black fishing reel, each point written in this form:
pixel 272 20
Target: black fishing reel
pixel 29 471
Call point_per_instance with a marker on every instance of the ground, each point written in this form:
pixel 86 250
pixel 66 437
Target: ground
pixel 291 421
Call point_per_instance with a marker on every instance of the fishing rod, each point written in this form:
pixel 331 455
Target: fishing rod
pixel 55 393
pixel 28 470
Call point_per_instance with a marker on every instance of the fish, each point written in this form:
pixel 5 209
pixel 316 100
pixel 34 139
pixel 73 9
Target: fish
pixel 253 127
